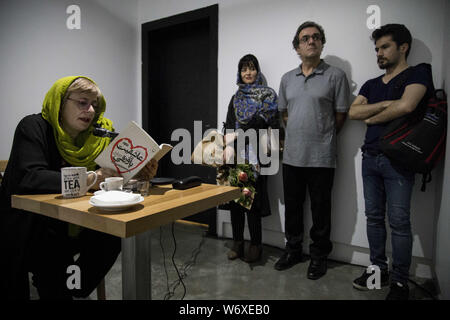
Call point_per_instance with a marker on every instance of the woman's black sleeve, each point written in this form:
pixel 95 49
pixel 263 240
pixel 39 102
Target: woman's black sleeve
pixel 230 123
pixel 34 159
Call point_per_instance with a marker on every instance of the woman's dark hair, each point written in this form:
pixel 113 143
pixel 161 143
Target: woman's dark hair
pixel 308 24
pixel 248 60
pixel 399 33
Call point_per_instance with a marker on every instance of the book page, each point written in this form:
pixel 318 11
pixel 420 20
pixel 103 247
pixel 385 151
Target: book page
pixel 130 151
pixel 163 149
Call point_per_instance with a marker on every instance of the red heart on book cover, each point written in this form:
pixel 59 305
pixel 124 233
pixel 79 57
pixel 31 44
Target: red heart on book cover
pixel 126 157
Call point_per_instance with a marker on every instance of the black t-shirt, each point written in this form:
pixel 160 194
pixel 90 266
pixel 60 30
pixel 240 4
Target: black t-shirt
pixel 375 90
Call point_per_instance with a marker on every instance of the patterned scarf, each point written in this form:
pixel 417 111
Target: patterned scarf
pixel 86 147
pixel 254 99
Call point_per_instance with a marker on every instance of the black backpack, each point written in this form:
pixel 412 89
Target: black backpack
pixel 417 141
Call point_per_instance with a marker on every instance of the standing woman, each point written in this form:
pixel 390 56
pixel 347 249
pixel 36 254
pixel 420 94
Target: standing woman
pixel 253 106
pixel 59 136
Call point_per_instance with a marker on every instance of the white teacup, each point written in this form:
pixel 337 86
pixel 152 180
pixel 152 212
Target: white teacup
pixel 112 183
pixel 74 181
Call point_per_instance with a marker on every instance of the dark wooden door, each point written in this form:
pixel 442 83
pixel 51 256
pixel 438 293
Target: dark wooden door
pixel 180 87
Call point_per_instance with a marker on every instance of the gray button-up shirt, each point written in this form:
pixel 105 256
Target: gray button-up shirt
pixel 311 103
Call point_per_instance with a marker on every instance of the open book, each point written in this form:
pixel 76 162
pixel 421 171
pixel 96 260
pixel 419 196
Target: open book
pixel 130 151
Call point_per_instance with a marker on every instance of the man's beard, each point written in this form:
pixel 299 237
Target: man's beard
pixel 386 64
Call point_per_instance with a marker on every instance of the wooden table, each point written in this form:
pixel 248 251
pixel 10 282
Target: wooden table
pixel 164 205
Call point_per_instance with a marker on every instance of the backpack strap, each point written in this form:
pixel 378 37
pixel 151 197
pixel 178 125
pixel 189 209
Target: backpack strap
pixel 439 94
pixel 426 178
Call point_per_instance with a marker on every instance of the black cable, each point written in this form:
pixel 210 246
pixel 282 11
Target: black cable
pixel 193 259
pixel 169 293
pixel 174 264
pixel 182 272
pixel 187 265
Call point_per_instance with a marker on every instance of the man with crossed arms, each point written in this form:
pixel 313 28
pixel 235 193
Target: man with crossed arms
pixel 385 182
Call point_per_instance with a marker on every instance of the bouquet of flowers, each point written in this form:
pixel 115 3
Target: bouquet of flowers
pixel 242 176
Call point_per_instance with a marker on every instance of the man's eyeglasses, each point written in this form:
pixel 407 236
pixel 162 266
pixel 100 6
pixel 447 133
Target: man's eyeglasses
pixel 315 37
pixel 84 104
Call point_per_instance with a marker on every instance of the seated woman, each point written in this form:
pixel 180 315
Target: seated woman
pixel 60 136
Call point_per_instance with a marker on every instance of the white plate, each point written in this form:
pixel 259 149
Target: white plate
pixel 99 192
pixel 116 207
pixel 114 197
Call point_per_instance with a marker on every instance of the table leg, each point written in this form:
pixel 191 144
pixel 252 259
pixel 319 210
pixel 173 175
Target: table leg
pixel 136 267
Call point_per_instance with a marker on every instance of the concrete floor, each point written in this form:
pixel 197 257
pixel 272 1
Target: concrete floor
pixel 208 274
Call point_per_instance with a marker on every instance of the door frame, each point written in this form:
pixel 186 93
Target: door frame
pixel 211 13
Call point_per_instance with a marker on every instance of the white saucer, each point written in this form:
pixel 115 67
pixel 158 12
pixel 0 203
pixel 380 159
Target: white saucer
pixel 99 192
pixel 115 206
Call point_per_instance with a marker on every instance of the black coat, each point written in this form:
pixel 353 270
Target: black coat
pixel 36 243
pixel 33 167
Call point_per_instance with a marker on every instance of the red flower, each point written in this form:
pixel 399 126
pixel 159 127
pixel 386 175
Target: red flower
pixel 246 192
pixel 243 176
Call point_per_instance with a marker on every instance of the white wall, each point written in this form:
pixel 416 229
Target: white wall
pixel 266 28
pixel 36 49
pixel 442 246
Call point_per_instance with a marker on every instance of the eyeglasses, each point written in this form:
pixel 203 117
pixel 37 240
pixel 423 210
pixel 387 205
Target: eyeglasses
pixel 315 37
pixel 84 104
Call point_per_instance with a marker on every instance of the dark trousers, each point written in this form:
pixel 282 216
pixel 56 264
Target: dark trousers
pixel 319 182
pixel 55 253
pixel 238 224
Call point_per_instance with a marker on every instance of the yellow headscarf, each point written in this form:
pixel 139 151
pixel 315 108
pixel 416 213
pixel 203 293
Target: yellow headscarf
pixel 84 150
